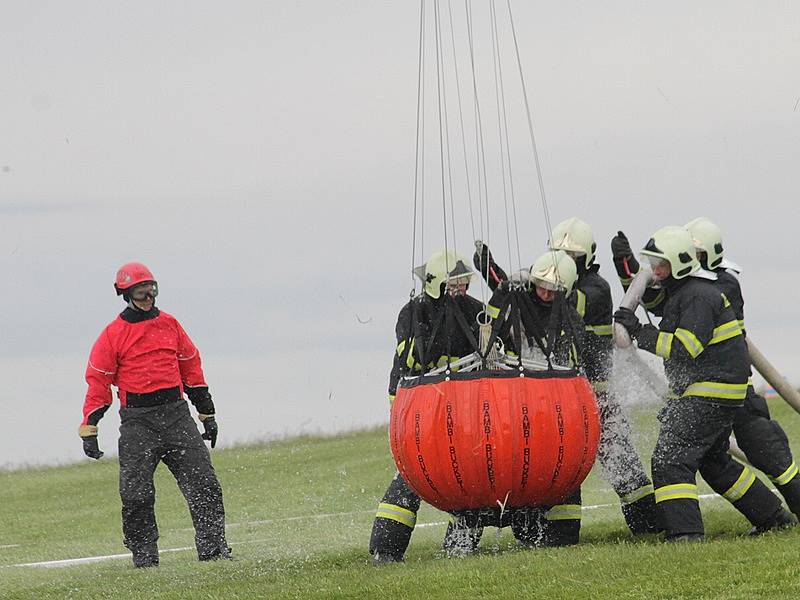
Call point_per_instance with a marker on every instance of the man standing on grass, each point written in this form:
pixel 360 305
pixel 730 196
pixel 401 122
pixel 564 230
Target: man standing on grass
pixel 148 356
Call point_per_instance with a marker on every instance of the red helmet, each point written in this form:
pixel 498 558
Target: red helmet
pixel 131 274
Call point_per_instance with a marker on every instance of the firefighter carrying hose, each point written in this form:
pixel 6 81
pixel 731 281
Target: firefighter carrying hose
pixel 707 366
pixel 149 358
pixel 760 438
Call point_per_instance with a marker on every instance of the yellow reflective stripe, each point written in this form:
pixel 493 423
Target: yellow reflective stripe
pixel 739 489
pixel 676 491
pixel 600 386
pixel 573 355
pixel 600 329
pixel 725 331
pixel 655 301
pixel 741 323
pixel 397 513
pixel 725 302
pixel 580 304
pixel 391 398
pixel 713 389
pixel 400 347
pixel 637 494
pixel 563 512
pixel 664 344
pixel 442 362
pixel 786 476
pixel 626 280
pixel 690 341
pixel 410 358
pixel 492 311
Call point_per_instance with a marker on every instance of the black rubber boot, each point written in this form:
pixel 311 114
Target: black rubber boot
pixel 223 552
pixel 641 516
pixel 146 556
pixel 783 520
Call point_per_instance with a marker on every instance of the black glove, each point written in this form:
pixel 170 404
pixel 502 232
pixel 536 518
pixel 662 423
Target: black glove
pixel 624 262
pixel 212 430
pixel 90 447
pixel 628 319
pixel 484 263
pixel 620 246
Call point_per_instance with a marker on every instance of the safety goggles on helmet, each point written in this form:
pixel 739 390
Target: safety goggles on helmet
pixel 143 291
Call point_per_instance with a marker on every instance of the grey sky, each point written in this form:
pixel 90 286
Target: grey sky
pixel 259 157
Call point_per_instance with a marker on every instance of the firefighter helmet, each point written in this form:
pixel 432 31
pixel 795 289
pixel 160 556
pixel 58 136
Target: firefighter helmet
pixel 444 266
pixel 554 270
pixel 674 245
pixel 574 237
pixel 707 237
pixel 131 274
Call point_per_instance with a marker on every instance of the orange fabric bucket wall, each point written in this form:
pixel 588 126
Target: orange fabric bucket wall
pixel 468 442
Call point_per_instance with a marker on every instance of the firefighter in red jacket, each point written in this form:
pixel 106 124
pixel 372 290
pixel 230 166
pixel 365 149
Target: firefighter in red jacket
pixel 149 358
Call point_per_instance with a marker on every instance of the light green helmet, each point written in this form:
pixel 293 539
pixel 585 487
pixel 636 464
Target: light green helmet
pixel 575 237
pixel 707 237
pixel 674 244
pixel 442 267
pixel 554 270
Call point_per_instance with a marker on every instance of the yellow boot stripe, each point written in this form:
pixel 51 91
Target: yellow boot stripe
pixel 676 491
pixel 740 487
pixel 786 476
pixel 637 494
pixel 563 512
pixel 397 513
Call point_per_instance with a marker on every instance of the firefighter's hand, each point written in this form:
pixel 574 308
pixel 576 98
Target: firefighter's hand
pixel 482 256
pixel 628 319
pixel 620 246
pixel 211 430
pixel 90 447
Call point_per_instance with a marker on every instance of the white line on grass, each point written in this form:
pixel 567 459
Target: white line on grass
pixel 3 547
pixel 90 559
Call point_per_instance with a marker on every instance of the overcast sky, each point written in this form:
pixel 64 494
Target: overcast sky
pixel 259 157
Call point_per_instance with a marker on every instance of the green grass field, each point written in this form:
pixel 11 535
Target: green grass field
pixel 299 517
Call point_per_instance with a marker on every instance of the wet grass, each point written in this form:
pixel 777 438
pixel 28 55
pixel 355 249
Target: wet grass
pixel 299 517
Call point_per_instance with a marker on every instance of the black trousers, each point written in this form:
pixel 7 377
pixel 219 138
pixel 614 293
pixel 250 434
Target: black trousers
pixel 167 433
pixel 694 437
pixel 395 520
pixel 767 448
pixel 623 468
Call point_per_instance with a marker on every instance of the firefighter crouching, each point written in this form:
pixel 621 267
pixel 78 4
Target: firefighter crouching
pixel 707 366
pixel 151 360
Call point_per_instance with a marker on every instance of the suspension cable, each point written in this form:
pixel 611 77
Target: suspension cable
pixel 530 127
pixel 441 132
pixel 498 103
pixel 461 119
pixel 417 145
pixel 508 147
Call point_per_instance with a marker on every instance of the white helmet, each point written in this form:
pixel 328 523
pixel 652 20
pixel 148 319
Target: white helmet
pixel 674 244
pixel 707 237
pixel 574 236
pixel 554 270
pixel 444 266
